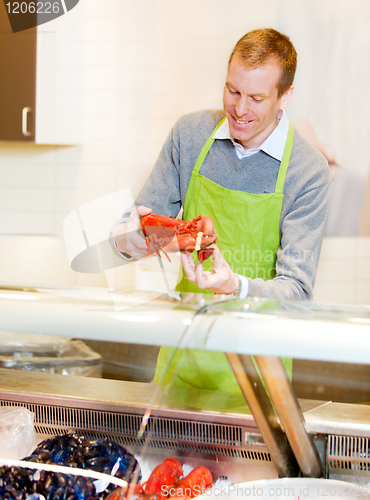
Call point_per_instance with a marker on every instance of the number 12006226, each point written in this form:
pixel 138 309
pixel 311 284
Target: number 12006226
pixel 33 7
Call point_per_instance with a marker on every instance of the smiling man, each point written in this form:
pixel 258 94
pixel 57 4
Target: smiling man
pixel 265 187
pixel 263 184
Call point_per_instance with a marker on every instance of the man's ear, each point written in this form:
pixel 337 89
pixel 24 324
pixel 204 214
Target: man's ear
pixel 286 97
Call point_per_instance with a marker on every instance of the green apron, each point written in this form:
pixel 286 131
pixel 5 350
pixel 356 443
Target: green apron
pixel 247 226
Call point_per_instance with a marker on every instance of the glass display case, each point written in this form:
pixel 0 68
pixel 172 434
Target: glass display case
pixel 272 428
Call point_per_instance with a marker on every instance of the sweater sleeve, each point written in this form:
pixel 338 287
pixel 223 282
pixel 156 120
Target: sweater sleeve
pixel 297 258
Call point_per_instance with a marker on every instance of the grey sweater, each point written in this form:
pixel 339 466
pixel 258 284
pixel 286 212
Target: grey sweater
pixel 305 203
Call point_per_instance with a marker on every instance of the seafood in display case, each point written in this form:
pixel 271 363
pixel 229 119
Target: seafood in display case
pixel 71 450
pixel 103 456
pixel 167 481
pixel 25 484
pixel 100 455
pixel 165 475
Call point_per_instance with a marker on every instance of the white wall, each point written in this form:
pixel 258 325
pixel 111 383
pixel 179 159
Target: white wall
pixel 343 275
pixel 332 39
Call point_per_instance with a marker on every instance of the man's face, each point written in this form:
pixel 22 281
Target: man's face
pixel 251 101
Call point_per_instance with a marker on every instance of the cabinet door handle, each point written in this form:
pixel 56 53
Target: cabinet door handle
pixel 25 112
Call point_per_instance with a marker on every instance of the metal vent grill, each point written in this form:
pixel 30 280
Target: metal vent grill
pixel 52 419
pixel 170 445
pixel 348 452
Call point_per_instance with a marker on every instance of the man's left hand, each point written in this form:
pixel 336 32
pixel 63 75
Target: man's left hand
pixel 220 280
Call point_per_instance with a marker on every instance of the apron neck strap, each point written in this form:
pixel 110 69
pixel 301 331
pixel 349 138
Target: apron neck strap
pixel 279 189
pixel 207 147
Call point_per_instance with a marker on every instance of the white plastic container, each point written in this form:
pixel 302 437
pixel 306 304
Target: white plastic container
pixel 288 489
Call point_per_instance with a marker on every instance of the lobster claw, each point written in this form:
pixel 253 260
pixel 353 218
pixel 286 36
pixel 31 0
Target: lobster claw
pixel 204 253
pixel 158 237
pixel 161 234
pixel 205 224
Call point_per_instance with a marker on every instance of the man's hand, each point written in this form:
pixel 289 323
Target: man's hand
pixel 220 280
pixel 127 238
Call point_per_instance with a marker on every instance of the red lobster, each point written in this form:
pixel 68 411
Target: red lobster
pixel 197 234
pixel 195 483
pixel 164 482
pixel 164 476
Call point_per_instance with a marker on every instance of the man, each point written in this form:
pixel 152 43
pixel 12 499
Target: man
pixel 265 187
pixel 246 158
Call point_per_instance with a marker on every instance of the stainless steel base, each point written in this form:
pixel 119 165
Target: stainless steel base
pixel 197 426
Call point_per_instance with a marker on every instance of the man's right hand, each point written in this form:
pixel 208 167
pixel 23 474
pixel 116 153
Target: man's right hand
pixel 127 238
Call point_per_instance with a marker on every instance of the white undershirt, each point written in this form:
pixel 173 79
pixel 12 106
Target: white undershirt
pixel 274 144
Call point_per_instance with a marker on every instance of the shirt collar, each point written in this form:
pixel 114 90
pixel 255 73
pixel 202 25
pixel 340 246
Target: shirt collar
pixel 274 144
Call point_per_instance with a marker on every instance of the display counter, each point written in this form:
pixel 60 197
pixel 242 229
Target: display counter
pixel 302 330
pixel 214 428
